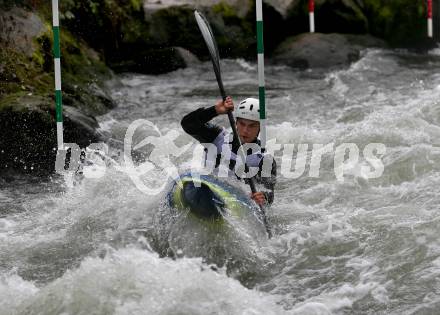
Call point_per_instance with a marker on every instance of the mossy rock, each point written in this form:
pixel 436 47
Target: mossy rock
pixel 19 73
pixel 106 25
pixel 33 73
pixel 156 61
pixel 24 63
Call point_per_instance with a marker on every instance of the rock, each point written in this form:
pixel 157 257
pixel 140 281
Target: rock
pixel 27 63
pixel 80 128
pixel 28 138
pixel 365 41
pixel 102 95
pixel 18 28
pixel 92 99
pixel 156 61
pixel 323 50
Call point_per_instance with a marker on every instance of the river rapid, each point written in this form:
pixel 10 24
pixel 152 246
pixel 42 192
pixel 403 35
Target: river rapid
pixel 358 246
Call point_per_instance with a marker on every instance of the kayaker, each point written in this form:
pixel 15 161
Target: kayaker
pixel 198 125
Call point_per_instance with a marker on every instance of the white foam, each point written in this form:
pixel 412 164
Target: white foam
pixel 134 281
pixel 14 291
pixel 246 65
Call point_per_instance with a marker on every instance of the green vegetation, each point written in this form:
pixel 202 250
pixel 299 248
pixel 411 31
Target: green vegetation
pixel 401 23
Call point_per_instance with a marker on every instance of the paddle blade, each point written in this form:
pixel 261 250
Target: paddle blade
pixel 208 36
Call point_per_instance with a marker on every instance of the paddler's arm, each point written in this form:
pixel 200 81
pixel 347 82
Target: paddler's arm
pixel 197 122
pixel 197 125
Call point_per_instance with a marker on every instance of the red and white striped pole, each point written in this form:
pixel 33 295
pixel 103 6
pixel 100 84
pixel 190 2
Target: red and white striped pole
pixel 429 3
pixel 312 16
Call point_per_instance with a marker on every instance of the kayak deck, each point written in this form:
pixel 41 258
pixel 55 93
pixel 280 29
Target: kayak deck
pixel 206 197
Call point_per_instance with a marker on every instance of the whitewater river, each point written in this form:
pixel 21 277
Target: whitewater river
pixel 357 246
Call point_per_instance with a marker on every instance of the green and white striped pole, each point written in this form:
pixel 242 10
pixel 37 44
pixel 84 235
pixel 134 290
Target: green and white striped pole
pixel 57 67
pixel 261 80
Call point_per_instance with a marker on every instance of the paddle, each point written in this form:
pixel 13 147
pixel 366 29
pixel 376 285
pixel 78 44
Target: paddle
pixel 208 36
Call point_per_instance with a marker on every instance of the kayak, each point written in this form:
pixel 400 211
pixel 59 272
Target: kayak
pixel 209 199
pixel 213 218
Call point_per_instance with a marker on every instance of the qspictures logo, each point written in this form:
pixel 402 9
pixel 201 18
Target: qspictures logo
pixel 214 158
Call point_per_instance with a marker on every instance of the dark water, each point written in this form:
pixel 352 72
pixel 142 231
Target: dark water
pixel 357 246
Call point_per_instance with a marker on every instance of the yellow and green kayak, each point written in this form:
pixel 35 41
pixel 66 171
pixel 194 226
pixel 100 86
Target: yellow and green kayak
pixel 211 199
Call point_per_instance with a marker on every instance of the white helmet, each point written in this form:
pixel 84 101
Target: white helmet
pixel 249 109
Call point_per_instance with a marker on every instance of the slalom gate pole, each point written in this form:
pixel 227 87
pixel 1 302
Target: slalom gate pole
pixel 312 16
pixel 57 68
pixel 429 9
pixel 261 79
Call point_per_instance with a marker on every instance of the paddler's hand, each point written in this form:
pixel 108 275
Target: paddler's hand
pixel 259 198
pixel 223 107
